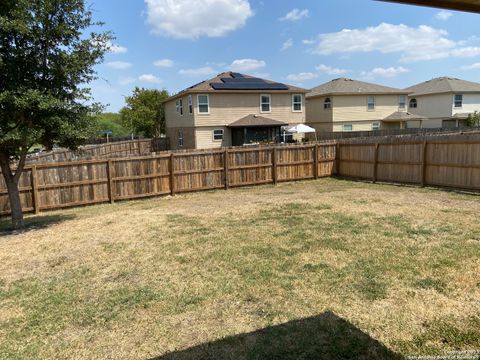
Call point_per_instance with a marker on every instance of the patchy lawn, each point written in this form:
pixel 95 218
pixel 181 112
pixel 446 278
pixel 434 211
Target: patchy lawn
pixel 329 269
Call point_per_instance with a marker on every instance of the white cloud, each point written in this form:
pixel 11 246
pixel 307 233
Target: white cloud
pixel 475 66
pixel 330 70
pixel 149 78
pixel 189 19
pixel 287 44
pixel 295 15
pixel 308 42
pixel 119 65
pixel 164 63
pixel 415 44
pixel 303 76
pixel 443 15
pixel 203 71
pixel 466 52
pixel 116 49
pixel 126 80
pixel 247 65
pixel 384 72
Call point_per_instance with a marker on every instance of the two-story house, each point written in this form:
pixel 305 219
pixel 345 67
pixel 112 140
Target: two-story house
pixel 351 105
pixel 232 109
pixel 444 101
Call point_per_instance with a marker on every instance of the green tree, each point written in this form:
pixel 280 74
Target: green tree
pixel 46 58
pixel 144 112
pixel 113 122
pixel 473 119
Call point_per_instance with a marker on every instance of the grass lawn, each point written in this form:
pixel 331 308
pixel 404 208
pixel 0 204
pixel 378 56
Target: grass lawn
pixel 325 269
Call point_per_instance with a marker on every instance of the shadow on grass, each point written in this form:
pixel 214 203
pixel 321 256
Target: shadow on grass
pixel 33 223
pixel 325 336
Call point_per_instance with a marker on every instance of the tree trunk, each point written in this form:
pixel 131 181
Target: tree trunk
pixel 13 194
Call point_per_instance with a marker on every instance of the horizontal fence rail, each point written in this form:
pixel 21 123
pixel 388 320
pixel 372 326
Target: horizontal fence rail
pixel 58 185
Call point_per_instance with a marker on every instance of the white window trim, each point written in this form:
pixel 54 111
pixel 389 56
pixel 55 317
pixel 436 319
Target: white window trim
pixel 404 104
pixel 374 103
pixel 198 104
pixel 293 103
pixel 180 107
pixel 213 135
pixel 373 127
pixel 416 103
pixel 190 104
pixel 343 127
pixel 177 106
pixel 454 101
pixel 180 136
pixel 269 103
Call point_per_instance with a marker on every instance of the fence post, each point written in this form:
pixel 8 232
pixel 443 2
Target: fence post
pixel 172 175
pixel 315 161
pixel 225 166
pixel 36 205
pixel 424 163
pixel 111 195
pixel 274 165
pixel 337 159
pixel 375 164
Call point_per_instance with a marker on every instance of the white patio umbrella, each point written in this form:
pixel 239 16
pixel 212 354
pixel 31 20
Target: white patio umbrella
pixel 301 129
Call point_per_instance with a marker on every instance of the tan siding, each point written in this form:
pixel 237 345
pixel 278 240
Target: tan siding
pixel 173 119
pixel 315 113
pixel 433 106
pixel 188 137
pixel 356 125
pixel 204 137
pixel 354 107
pixel 227 108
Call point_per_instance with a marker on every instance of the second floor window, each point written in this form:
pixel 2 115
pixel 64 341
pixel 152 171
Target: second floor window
pixel 371 102
pixel 458 101
pixel 190 104
pixel 327 104
pixel 297 103
pixel 402 102
pixel 413 104
pixel 203 104
pixel 265 103
pixel 179 106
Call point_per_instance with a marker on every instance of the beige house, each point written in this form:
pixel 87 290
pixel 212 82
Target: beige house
pixel 232 109
pixel 351 105
pixel 444 101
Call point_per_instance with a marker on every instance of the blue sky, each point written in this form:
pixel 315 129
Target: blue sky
pixel 172 44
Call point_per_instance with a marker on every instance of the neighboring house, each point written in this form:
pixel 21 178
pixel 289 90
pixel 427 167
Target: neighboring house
pixel 444 101
pixel 232 109
pixel 351 105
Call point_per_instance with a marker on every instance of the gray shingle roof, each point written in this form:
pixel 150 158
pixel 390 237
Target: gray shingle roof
pixel 205 86
pixel 403 116
pixel 443 85
pixel 344 86
pixel 256 121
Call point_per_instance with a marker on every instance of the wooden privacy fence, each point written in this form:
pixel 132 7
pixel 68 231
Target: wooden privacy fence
pixel 58 185
pixel 439 162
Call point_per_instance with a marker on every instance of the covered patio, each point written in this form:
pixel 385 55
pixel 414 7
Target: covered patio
pixel 255 129
pixel 402 120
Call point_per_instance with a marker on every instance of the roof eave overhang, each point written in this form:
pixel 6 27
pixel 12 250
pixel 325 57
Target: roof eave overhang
pixel 461 5
pixel 186 93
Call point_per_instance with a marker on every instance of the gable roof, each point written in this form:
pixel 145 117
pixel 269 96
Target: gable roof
pixel 344 86
pixel 235 82
pixel 256 121
pixel 403 116
pixel 443 85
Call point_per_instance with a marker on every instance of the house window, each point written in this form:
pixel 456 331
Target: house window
pixel 177 106
pixel 376 125
pixel 297 103
pixel 412 104
pixel 180 106
pixel 203 104
pixel 402 102
pixel 218 135
pixel 190 104
pixel 180 138
pixel 458 101
pixel 265 103
pixel 347 127
pixel 371 102
pixel 327 104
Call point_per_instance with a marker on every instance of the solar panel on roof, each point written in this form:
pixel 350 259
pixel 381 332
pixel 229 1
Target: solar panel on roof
pixel 242 80
pixel 237 75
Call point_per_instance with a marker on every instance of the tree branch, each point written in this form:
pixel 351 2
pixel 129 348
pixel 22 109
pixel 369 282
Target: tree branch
pixel 21 164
